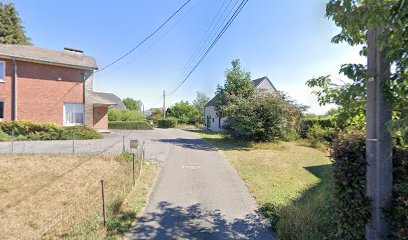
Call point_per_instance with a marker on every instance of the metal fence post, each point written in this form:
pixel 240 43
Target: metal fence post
pixel 133 159
pixel 73 143
pixel 123 143
pixel 12 141
pixel 103 204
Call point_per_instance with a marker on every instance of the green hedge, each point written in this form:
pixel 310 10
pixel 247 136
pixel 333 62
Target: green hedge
pixel 25 130
pixel 307 123
pixel 131 125
pixel 352 207
pixel 125 115
pixel 167 123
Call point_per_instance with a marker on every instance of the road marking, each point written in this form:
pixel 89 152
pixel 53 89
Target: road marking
pixel 193 167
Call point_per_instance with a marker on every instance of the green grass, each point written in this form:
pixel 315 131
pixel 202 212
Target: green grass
pixel 290 181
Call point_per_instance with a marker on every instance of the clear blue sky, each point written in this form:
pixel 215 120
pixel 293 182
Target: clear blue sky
pixel 288 41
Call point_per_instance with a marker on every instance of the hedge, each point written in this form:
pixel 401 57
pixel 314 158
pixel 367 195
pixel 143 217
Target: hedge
pixel 167 123
pixel 352 207
pixel 307 123
pixel 131 125
pixel 25 130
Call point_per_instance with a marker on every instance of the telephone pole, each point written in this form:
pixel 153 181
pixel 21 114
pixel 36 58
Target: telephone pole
pixel 378 139
pixel 164 104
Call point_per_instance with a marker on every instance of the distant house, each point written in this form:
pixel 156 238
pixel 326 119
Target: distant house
pixel 43 85
pixel 213 122
pixel 112 98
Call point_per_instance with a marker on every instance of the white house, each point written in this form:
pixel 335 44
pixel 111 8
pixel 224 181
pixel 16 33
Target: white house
pixel 215 123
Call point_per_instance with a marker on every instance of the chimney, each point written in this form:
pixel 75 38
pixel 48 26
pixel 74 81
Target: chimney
pixel 73 51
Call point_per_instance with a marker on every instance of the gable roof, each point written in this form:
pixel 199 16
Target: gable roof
pixel 109 98
pixel 47 56
pixel 257 82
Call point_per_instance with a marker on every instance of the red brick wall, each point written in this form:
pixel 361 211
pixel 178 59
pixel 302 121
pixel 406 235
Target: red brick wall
pixel 41 96
pixel 100 117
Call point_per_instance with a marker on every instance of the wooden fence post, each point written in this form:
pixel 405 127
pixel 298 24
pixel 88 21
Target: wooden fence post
pixel 133 159
pixel 123 143
pixel 73 143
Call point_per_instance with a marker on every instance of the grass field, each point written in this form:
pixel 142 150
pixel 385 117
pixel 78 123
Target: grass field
pixel 39 193
pixel 289 180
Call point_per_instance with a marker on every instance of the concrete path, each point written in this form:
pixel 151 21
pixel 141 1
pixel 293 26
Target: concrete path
pixel 198 196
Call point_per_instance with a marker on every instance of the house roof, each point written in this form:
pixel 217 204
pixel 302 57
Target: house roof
pixel 257 82
pixel 47 56
pixel 108 99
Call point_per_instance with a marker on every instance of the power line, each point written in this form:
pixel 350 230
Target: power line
pixel 226 26
pixel 147 38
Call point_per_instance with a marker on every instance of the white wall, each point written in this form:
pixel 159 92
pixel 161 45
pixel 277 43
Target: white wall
pixel 214 122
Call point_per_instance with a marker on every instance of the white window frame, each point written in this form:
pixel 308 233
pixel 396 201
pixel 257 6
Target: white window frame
pixel 3 78
pixel 4 109
pixel 65 123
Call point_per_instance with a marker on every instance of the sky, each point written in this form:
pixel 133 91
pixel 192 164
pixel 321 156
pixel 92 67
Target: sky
pixel 288 41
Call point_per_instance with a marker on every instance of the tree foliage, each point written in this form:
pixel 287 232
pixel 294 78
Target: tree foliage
pixel 11 28
pixel 132 104
pixel 199 103
pixel 184 112
pixel 354 17
pixel 237 85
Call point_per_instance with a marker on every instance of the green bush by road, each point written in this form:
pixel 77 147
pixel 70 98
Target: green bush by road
pixel 131 125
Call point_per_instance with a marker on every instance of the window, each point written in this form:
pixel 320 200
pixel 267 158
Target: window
pixel 73 114
pixel 2 71
pixel 1 110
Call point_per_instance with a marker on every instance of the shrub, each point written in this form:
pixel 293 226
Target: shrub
pixel 131 125
pixel 351 206
pixel 169 122
pixel 318 135
pixel 398 213
pixel 125 115
pixel 307 123
pixel 4 136
pixel 24 130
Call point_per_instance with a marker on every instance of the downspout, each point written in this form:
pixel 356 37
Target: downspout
pixel 15 90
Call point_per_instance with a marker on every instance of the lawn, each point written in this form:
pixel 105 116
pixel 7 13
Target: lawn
pixel 289 180
pixel 56 196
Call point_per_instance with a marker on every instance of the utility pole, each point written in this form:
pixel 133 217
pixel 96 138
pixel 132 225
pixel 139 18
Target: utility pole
pixel 143 109
pixel 164 104
pixel 378 139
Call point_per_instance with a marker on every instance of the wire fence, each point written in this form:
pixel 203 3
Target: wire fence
pixel 89 211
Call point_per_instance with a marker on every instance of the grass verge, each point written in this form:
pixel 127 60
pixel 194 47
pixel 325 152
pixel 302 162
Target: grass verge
pixel 291 183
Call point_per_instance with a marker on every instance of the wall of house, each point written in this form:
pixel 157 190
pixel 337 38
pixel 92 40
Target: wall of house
pixel 40 95
pixel 100 117
pixel 215 122
pixel 266 85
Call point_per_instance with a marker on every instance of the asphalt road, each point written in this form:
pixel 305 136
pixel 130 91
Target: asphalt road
pixel 198 195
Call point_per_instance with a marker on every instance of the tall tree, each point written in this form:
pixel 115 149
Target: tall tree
pixel 11 28
pixel 199 103
pixel 238 84
pixel 381 27
pixel 132 104
pixel 184 112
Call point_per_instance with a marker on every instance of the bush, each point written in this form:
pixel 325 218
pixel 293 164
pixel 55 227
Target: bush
pixel 398 213
pixel 4 136
pixel 351 206
pixel 132 125
pixel 169 122
pixel 24 130
pixel 307 123
pixel 318 135
pixel 125 115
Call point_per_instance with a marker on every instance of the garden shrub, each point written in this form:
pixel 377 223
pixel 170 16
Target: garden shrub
pixel 25 130
pixel 131 125
pixel 125 115
pixel 351 206
pixel 398 213
pixel 4 136
pixel 318 135
pixel 169 122
pixel 307 123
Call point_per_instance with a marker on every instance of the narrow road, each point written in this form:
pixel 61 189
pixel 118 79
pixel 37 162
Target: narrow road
pixel 198 195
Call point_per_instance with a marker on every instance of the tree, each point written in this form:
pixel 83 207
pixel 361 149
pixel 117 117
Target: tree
pixel 199 103
pixel 132 104
pixel 184 112
pixel 155 115
pixel 237 85
pixel 11 28
pixel 375 92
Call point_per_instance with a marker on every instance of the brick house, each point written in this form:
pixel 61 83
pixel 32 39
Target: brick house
pixel 42 85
